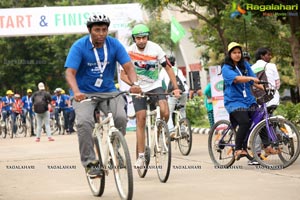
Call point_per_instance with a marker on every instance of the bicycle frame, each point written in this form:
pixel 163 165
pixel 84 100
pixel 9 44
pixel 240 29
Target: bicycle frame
pixel 178 116
pixel 153 135
pixel 260 116
pixel 106 148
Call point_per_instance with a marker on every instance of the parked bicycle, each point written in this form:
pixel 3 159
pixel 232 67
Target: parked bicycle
pixel 183 134
pixel 112 153
pixel 158 143
pixel 282 135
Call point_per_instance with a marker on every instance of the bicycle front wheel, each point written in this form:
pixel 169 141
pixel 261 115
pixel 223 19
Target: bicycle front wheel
pixel 163 151
pixel 122 166
pixel 142 171
pixel 221 142
pixel 3 130
pixel 97 184
pixel 185 137
pixel 21 128
pixel 286 144
pixel 11 128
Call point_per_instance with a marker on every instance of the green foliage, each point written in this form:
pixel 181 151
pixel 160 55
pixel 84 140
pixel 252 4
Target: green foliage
pixel 290 111
pixel 29 60
pixel 196 113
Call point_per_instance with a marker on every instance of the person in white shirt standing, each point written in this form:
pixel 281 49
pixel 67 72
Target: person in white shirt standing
pixel 263 57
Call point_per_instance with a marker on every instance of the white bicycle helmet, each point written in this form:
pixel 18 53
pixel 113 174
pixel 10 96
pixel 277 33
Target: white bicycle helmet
pixel 96 19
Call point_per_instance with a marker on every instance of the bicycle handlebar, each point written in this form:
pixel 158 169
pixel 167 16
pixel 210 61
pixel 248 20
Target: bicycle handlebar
pixel 268 87
pixel 263 82
pixel 98 98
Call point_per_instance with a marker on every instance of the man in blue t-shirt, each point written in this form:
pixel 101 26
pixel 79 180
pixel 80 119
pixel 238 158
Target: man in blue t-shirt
pixel 7 103
pixel 60 106
pixel 90 68
pixel 27 110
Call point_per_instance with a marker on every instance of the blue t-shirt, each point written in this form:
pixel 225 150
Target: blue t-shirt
pixel 6 101
pixel 82 58
pixel 233 93
pixel 27 102
pixel 60 101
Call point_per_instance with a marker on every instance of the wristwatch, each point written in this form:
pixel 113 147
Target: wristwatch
pixel 136 83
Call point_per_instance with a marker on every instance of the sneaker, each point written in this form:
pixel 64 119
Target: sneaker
pixel 253 162
pixel 172 133
pixel 50 139
pixel 93 170
pixel 140 162
pixel 37 139
pixel 271 151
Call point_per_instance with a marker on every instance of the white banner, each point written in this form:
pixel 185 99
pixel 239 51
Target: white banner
pixel 216 80
pixel 64 20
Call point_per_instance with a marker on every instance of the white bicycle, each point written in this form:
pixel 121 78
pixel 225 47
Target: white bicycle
pixel 112 153
pixel 158 143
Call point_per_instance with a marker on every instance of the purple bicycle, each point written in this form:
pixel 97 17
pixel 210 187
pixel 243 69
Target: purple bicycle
pixel 281 135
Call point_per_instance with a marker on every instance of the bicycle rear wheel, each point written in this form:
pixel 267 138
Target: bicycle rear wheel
pixel 185 137
pixel 122 166
pixel 221 142
pixel 97 184
pixel 21 128
pixel 62 124
pixel 286 144
pixel 142 171
pixel 53 126
pixel 163 151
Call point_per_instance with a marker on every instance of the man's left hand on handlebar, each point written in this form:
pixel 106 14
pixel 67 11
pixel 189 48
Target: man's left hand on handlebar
pixel 177 93
pixel 135 89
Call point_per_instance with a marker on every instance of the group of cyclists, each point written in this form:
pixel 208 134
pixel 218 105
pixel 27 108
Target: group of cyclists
pixel 90 68
pixel 13 104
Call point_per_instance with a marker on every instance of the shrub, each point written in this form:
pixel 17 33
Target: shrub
pixel 290 111
pixel 196 112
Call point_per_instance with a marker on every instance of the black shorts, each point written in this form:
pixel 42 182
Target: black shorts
pixel 141 104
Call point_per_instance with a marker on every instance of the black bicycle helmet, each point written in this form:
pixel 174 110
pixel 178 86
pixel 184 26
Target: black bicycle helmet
pixel 172 60
pixel 97 19
pixel 246 54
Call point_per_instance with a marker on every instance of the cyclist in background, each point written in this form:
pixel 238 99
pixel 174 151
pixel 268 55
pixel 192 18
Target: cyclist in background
pixel 148 57
pixel 246 56
pixel 172 101
pixel 27 109
pixel 90 68
pixel 16 110
pixel 263 57
pixel 70 113
pixel 7 103
pixel 60 106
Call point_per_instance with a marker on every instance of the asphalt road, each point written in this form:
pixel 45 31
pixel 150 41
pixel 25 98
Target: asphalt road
pixel 34 171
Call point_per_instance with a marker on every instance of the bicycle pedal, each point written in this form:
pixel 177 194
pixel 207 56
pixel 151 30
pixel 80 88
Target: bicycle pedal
pixel 106 172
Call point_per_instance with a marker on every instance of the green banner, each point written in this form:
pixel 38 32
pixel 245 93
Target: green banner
pixel 177 31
